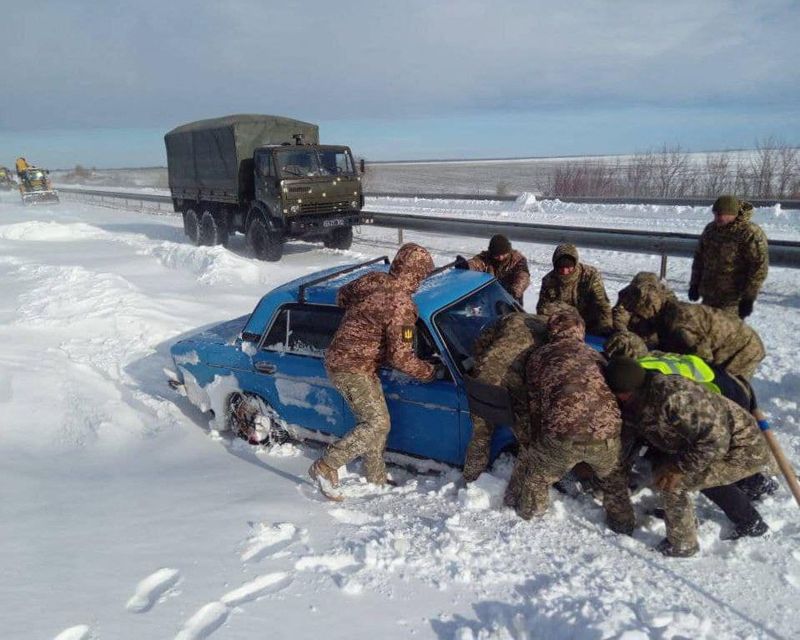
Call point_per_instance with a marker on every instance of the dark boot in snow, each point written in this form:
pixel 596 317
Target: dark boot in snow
pixel 668 549
pixel 753 529
pixel 758 485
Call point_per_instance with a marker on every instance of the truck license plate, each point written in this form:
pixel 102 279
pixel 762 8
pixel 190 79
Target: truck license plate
pixel 336 222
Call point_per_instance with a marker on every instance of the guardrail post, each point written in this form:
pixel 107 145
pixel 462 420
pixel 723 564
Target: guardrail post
pixel 399 236
pixel 663 273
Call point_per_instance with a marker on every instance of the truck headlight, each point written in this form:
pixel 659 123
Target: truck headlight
pixel 294 208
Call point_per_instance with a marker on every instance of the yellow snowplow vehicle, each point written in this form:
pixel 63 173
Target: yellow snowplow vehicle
pixel 6 182
pixel 35 187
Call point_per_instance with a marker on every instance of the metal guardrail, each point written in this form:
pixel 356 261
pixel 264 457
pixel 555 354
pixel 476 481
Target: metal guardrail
pixel 782 253
pixel 785 203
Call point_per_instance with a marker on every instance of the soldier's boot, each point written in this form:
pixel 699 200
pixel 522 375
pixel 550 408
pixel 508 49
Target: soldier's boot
pixel 533 498
pixel 753 529
pixel 668 549
pixel 758 485
pixel 326 478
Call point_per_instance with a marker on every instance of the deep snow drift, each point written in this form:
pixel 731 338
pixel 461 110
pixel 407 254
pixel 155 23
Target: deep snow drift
pixel 123 516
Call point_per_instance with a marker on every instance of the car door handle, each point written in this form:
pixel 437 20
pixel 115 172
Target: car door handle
pixel 266 367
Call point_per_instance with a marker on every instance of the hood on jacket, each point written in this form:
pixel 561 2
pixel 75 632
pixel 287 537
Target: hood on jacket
pixel 411 265
pixel 647 300
pixel 565 325
pixel 567 249
pixel 745 213
pixel 645 278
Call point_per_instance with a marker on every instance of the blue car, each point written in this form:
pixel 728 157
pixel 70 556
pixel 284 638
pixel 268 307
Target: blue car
pixel 263 376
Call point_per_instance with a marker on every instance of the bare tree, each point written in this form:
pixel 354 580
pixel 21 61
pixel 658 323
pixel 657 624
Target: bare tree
pixel 671 171
pixel 763 168
pixel 639 174
pixel 788 171
pixel 716 178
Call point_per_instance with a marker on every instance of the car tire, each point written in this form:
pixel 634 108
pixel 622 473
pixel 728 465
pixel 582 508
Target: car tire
pixel 191 226
pixel 340 238
pixel 251 419
pixel 211 232
pixel 266 245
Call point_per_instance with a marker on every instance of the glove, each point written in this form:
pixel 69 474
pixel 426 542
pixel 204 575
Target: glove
pixel 745 307
pixel 694 294
pixel 667 478
pixel 461 263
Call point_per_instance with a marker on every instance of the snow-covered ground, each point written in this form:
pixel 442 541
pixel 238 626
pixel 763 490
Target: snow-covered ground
pixel 123 516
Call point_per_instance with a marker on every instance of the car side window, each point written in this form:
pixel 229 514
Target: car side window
pixel 265 165
pixel 303 329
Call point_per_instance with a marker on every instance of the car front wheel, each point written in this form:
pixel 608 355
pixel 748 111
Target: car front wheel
pixel 265 244
pixel 340 238
pixel 191 226
pixel 251 419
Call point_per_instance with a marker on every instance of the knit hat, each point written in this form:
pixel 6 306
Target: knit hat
pixel 726 205
pixel 499 245
pixel 624 374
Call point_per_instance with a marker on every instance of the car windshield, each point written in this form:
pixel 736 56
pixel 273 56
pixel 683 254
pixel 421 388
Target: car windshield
pixel 35 175
pixel 462 322
pixel 309 162
pixel 336 162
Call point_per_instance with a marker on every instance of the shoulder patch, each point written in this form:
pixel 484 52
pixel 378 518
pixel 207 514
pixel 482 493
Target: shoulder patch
pixel 408 333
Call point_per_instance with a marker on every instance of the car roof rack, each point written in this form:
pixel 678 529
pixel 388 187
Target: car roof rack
pixel 301 295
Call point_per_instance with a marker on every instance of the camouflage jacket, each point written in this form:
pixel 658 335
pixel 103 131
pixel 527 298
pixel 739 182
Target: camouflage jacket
pixel 624 316
pixel 379 315
pixel 696 426
pixel 501 350
pixel 731 262
pixel 512 274
pixel 719 338
pixel 583 289
pixel 567 392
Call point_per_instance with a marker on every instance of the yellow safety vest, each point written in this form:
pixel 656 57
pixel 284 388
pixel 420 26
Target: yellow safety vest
pixel 692 367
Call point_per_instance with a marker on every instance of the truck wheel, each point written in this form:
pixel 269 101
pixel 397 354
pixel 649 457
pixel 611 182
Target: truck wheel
pixel 211 232
pixel 265 244
pixel 340 238
pixel 191 226
pixel 252 419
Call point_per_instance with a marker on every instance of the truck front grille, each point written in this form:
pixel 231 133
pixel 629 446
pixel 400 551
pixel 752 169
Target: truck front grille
pixel 324 207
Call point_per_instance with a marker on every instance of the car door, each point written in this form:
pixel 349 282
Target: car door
pixel 290 362
pixel 425 415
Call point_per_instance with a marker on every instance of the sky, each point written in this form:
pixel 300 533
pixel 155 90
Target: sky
pixel 99 83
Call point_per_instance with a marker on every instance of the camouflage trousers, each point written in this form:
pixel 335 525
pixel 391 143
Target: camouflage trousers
pixel 678 504
pixel 364 395
pixel 548 459
pixel 479 448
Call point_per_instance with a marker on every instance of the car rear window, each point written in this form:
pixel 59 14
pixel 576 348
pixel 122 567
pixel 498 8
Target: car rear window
pixel 303 329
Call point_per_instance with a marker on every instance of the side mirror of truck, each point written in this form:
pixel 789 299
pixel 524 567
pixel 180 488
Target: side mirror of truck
pixel 362 165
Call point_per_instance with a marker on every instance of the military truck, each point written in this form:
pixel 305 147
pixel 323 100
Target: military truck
pixel 266 177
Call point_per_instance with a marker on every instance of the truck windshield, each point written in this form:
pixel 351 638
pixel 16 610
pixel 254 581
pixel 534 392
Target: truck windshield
pixel 462 322
pixel 294 162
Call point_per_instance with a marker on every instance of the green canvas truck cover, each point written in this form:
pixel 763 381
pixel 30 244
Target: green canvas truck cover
pixel 216 154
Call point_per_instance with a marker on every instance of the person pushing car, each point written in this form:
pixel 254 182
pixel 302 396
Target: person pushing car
pixel 377 329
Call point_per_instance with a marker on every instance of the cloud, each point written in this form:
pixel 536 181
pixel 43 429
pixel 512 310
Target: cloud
pixel 122 64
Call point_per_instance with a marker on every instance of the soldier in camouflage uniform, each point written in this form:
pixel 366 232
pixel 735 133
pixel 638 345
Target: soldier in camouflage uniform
pixel 623 316
pixel 579 285
pixel 731 260
pixel 508 265
pixel 379 316
pixel 500 354
pixel 579 421
pixel 706 441
pixel 718 337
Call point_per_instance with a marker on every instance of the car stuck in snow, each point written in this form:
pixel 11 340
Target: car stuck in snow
pixel 263 375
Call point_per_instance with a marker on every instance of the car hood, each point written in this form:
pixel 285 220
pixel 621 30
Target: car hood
pixel 224 333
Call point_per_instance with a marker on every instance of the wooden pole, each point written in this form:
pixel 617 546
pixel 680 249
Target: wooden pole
pixel 783 462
